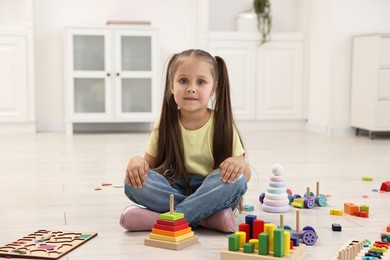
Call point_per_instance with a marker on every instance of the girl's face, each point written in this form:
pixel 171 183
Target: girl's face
pixel 193 84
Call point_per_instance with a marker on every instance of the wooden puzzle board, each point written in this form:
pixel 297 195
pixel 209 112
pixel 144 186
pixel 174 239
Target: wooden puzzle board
pixel 46 244
pixel 240 255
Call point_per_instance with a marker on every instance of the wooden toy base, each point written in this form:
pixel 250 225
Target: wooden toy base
pixel 240 255
pixel 45 244
pixel 171 245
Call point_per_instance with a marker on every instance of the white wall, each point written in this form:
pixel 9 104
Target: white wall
pixel 333 24
pixel 176 20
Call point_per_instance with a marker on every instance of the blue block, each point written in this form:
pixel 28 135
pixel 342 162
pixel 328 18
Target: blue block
pixel 295 240
pixel 249 220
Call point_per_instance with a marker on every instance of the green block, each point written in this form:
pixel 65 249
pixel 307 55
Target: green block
pixel 249 248
pixel 169 216
pixel 298 203
pixel 234 243
pixel 279 242
pixel 364 208
pixel 263 244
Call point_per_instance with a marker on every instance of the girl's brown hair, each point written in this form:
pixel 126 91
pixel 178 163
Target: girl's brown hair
pixel 170 155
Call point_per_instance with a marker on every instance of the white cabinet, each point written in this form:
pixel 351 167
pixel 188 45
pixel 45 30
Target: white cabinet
pixel 280 80
pixel 111 75
pixel 370 93
pixel 240 58
pixel 266 81
pixel 17 112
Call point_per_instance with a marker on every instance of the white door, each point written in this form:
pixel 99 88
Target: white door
pixel 13 79
pixel 280 81
pixel 136 75
pixel 89 75
pixel 239 57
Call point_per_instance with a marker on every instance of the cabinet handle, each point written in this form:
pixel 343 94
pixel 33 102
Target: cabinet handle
pixel 118 74
pixel 108 74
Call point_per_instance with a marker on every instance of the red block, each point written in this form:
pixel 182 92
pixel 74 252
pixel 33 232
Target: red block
pixel 171 228
pixel 258 228
pixel 245 228
pixel 385 186
pixel 361 214
pixel 171 222
pixel 291 245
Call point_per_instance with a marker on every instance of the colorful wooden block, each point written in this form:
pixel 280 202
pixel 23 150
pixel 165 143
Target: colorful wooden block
pixel 269 228
pixel 242 236
pixel 336 227
pixel 264 243
pixel 249 248
pixel 361 214
pixel 350 208
pixel 173 216
pixel 171 228
pixel 171 223
pixel 364 208
pixel 385 186
pixel 170 233
pixel 249 220
pixel 336 212
pixel 255 242
pixel 171 239
pixel 258 228
pixel 388 228
pixel 234 242
pixel 279 242
pixel 243 227
pixel 171 245
pixel 287 242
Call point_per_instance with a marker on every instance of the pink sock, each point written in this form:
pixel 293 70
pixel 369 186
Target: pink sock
pixel 134 218
pixel 223 221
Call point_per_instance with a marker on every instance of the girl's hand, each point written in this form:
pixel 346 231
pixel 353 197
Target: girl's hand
pixel 136 171
pixel 232 168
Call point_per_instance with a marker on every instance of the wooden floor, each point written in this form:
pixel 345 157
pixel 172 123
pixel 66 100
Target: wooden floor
pixel 48 181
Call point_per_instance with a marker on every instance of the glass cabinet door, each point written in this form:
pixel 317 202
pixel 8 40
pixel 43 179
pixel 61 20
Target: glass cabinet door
pixel 135 66
pixel 90 69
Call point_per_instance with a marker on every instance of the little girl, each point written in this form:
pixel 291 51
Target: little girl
pixel 193 152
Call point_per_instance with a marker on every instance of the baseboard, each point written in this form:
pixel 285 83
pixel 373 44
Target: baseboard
pixel 17 128
pixel 270 125
pixel 96 127
pixel 329 130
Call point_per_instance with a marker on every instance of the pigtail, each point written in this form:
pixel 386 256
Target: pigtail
pixel 223 116
pixel 170 156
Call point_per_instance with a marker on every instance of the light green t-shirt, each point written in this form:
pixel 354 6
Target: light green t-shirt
pixel 198 147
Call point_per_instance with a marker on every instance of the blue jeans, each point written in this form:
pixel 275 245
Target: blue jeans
pixel 209 196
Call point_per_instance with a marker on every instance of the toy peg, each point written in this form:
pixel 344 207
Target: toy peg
pixel 307 192
pixel 317 188
pixel 171 204
pixel 297 220
pixel 281 221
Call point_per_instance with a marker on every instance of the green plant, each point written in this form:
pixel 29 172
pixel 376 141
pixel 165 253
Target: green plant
pixel 264 20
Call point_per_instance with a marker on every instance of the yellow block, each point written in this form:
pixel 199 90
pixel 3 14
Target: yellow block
pixel 286 242
pixel 171 233
pixel 255 242
pixel 242 236
pixel 269 228
pixel 171 239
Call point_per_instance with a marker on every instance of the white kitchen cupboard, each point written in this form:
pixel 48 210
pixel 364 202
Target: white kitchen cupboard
pixel 240 58
pixel 266 81
pixel 370 93
pixel 111 75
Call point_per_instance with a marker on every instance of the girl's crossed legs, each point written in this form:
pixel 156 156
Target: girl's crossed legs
pixel 210 197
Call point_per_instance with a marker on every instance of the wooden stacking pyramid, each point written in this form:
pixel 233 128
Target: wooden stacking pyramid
pixel 171 231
